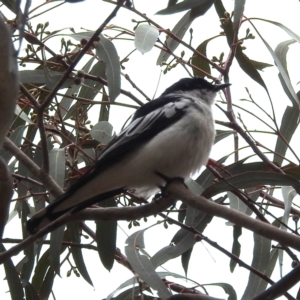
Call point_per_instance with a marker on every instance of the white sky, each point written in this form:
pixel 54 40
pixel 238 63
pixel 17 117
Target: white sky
pixel 207 265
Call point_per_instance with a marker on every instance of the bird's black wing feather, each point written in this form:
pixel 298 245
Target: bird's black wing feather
pixel 143 127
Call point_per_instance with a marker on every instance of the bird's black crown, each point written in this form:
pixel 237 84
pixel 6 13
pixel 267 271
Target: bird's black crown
pixel 188 84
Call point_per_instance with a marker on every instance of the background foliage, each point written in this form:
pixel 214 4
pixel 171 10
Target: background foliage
pixel 62 121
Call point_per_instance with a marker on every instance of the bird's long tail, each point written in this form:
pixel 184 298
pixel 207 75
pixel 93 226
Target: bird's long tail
pixel 53 211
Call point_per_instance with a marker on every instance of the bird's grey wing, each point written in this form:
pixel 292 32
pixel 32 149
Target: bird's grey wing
pixel 139 131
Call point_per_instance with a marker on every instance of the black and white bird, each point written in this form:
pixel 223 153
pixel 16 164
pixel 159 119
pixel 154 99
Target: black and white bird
pixel 171 135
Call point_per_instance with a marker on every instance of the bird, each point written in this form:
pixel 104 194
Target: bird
pixel 168 137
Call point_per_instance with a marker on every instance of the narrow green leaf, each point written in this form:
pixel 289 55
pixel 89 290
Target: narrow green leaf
pixel 236 246
pixel 227 288
pixel 77 252
pixel 142 265
pixel 107 52
pixel 281 69
pixel 13 280
pixel 286 29
pixel 57 172
pixel 16 138
pixel 289 124
pixel 9 79
pixel 47 284
pixel 182 6
pixel 272 262
pixel 41 77
pixel 30 292
pixel 222 134
pixel 260 261
pixel 200 63
pixel 91 88
pixel 28 251
pixel 106 237
pixel 12 5
pixel 104 109
pixel 183 239
pixel 239 6
pixel 248 67
pixel 260 65
pixel 6 192
pixel 182 212
pixel 237 204
pixel 185 259
pixel 40 271
pixel 281 52
pixel 57 163
pixel 22 115
pixel 102 132
pixel 179 30
pixel 242 59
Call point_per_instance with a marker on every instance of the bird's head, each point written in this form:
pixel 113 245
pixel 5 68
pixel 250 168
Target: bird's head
pixel 197 87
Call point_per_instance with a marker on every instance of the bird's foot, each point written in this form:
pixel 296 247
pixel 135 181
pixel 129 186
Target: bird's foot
pixel 168 180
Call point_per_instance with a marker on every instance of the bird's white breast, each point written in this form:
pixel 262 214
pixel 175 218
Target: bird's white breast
pixel 178 151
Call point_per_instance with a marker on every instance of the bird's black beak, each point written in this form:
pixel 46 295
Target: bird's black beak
pixel 218 87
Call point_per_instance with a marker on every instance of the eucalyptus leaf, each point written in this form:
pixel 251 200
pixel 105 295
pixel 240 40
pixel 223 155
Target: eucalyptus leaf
pixel 142 265
pixel 145 38
pixel 107 52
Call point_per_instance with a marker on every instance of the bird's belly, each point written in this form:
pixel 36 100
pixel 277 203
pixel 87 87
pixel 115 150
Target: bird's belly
pixel 178 151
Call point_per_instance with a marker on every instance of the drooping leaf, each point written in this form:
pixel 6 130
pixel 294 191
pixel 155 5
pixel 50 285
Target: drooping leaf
pixel 57 165
pixel 66 101
pixel 30 292
pixel 47 284
pixel 13 280
pixel 102 132
pixel 200 63
pixel 236 246
pixel 184 5
pixel 57 172
pixel 77 252
pixel 104 109
pixel 242 59
pixel 106 237
pixel 281 69
pixel 222 134
pixel 228 289
pixel 237 204
pixel 9 80
pixel 185 259
pixel 281 52
pixel 42 77
pixel 183 240
pixel 179 30
pixel 6 192
pixel 260 261
pixel 286 29
pixel 12 5
pixel 142 265
pixel 145 38
pixel 260 65
pixel 182 26
pixel 288 126
pixel 239 6
pixel 40 271
pixel 21 114
pixel 107 52
pixel 91 88
pixel 29 251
